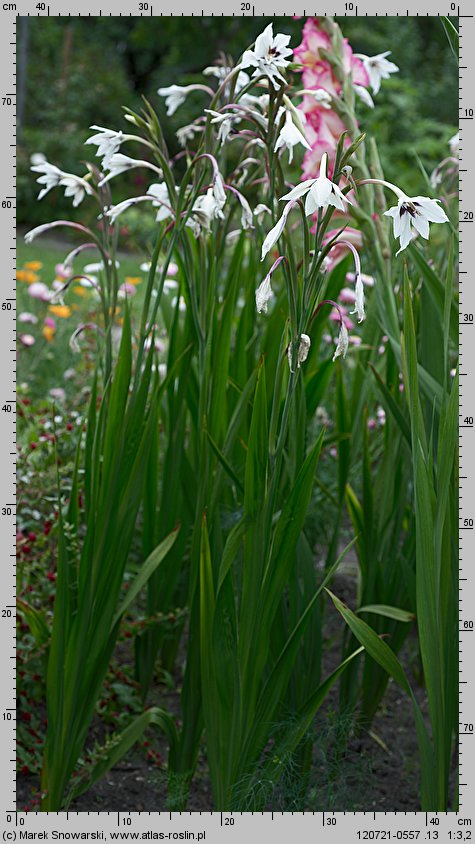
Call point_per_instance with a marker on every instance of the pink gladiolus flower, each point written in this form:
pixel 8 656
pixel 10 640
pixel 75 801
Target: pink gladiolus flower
pixel 323 130
pixel 49 322
pixel 324 126
pixel 339 250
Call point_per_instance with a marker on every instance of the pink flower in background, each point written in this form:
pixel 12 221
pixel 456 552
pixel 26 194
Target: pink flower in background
pixel 126 289
pixel 339 250
pixel 25 316
pixel 62 271
pixel 341 315
pixel 49 322
pixel 27 340
pixel 324 126
pixel 347 296
pixel 38 290
pixel 323 130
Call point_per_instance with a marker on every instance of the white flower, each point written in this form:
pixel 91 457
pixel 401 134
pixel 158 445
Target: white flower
pixel 263 294
pixel 119 163
pixel 30 236
pixel 218 190
pixel 260 210
pixel 160 200
pixel 115 210
pixel 225 122
pixel 411 216
pixel 247 218
pixel 233 236
pixel 157 194
pixel 378 68
pixel 274 234
pixel 342 344
pixel 37 158
pixel 454 144
pixel 358 297
pixel 107 141
pixel 94 268
pixel 359 300
pixel 303 350
pixel 290 136
pixel 264 291
pixel 364 95
pixel 268 56
pixel 75 187
pixel 218 71
pixel 205 209
pixel 187 133
pixel 175 96
pixel 322 97
pixel 321 192
pixel 51 176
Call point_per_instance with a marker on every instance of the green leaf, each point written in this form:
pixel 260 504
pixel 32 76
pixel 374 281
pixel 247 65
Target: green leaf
pixel 436 290
pixel 146 570
pixel 118 746
pixel 387 659
pixel 452 35
pixel 391 405
pixel 36 620
pixel 388 612
pixel 257 452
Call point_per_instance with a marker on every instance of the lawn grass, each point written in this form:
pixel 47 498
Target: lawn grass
pixel 42 367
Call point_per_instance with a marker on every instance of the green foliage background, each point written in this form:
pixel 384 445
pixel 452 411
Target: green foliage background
pixel 81 71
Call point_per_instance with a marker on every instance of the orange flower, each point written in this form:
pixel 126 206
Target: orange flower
pixel 60 311
pixel 33 265
pixel 27 275
pixel 48 333
pixel 80 291
pixel 133 279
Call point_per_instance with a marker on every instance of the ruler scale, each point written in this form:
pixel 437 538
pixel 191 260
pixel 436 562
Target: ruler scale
pixel 214 826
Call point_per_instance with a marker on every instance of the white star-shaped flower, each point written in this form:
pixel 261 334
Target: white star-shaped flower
pixel 411 216
pixel 175 96
pixel 51 176
pixel 290 136
pixel 378 68
pixel 107 142
pixel 321 192
pixel 269 55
